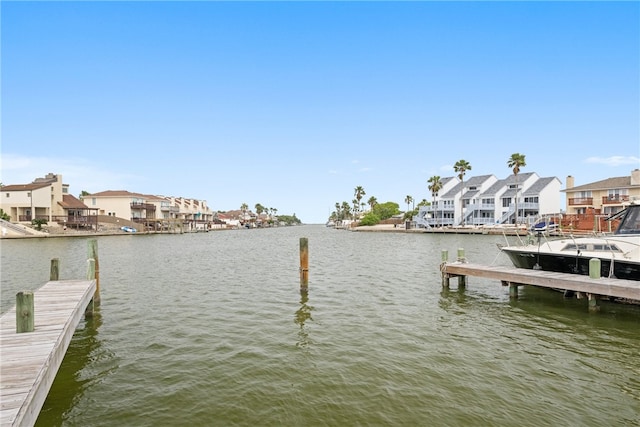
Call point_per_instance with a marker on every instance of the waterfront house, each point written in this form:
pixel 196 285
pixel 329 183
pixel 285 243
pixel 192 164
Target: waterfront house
pixel 47 199
pixel 487 200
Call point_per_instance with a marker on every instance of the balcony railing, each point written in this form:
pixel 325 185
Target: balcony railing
pixel 581 201
pixel 145 206
pixel 615 200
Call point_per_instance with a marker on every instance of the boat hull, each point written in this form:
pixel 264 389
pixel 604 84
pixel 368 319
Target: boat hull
pixel 628 270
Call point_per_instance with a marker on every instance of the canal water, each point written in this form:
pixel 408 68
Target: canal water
pixel 211 329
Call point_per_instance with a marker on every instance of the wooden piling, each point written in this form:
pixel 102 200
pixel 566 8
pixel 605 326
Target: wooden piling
pixel 92 250
pixel 54 274
pixel 444 256
pixel 594 268
pixel 461 257
pixel 304 263
pixel 24 312
pixel 594 306
pixel 91 274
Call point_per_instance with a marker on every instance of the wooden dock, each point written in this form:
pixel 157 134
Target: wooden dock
pixel 29 361
pixel 514 277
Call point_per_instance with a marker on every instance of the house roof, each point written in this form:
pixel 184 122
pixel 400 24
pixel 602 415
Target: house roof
pixel 538 186
pixel 71 202
pixel 25 187
pixel 471 182
pixel 116 193
pixel 605 184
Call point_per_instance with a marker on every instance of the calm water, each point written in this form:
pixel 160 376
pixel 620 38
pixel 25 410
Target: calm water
pixel 211 329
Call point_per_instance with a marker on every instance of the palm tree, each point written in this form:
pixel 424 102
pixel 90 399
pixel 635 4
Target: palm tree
pixel 358 193
pixel 408 201
pixel 461 167
pixel 244 208
pixel 435 185
pixel 516 161
pixel 346 208
pixel 372 202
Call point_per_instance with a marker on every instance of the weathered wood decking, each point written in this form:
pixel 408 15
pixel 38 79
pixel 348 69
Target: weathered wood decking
pixel 29 361
pixel 617 288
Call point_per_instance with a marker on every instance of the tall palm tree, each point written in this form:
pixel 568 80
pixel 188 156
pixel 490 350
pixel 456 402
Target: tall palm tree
pixel 244 207
pixel 408 201
pixel 359 193
pixel 372 202
pixel 346 208
pixel 461 167
pixel 435 185
pixel 516 161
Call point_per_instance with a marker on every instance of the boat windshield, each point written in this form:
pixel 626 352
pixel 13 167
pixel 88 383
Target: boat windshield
pixel 630 223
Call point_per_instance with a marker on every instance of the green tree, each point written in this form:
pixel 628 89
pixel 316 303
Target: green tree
pixel 38 223
pixel 461 167
pixel 435 185
pixel 370 219
pixel 386 210
pixel 259 208
pixel 515 162
pixel 4 215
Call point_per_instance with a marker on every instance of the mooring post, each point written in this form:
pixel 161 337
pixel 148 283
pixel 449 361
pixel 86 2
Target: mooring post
pixel 24 312
pixel 93 254
pixel 513 290
pixel 461 257
pixel 593 303
pixel 594 268
pixel 445 276
pixel 55 270
pixel 304 263
pixel 91 274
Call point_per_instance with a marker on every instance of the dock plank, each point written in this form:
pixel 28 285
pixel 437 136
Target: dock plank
pixel 30 361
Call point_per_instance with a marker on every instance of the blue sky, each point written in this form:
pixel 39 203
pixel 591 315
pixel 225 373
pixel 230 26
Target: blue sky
pixel 294 104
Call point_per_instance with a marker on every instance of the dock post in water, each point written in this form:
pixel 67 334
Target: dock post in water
pixel 24 312
pixel 462 280
pixel 304 263
pixel 55 270
pixel 91 274
pixel 445 277
pixel 93 254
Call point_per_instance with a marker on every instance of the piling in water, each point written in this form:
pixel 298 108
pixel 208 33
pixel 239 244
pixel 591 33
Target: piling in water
pixel 304 263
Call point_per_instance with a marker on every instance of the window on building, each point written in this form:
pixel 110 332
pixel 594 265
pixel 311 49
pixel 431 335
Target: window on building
pixel 506 202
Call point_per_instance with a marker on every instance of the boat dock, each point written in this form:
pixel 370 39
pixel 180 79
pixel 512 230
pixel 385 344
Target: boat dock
pixel 30 360
pixel 35 335
pixel 593 288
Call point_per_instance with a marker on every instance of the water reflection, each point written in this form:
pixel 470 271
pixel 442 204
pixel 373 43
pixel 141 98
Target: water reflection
pixel 302 315
pixel 77 371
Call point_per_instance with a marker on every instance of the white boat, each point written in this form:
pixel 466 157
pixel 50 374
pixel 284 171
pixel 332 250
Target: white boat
pixel 619 253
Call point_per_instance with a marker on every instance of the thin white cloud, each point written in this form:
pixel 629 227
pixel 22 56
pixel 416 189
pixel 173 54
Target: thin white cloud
pixel 333 172
pixel 364 169
pixel 614 160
